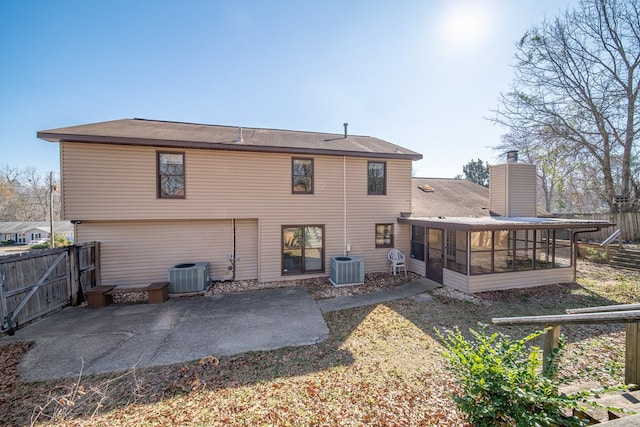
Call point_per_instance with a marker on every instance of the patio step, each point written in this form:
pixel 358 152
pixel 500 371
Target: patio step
pixel 628 401
pixel 630 421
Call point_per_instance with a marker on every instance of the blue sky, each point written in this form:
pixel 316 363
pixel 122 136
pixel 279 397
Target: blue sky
pixel 421 74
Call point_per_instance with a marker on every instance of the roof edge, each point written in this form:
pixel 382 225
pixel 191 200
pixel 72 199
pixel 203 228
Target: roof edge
pixel 226 146
pixel 520 224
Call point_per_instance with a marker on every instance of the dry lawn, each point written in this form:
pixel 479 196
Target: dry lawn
pixel 381 365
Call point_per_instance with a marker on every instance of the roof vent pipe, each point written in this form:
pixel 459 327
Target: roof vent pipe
pixel 512 156
pixel 240 135
pixel 345 128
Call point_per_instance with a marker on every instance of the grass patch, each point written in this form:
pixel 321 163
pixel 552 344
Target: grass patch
pixel 381 365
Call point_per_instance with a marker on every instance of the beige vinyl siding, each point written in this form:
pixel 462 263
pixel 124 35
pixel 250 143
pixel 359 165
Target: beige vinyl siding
pixel 139 252
pixel 364 211
pixel 455 280
pixel 513 189
pixel 246 249
pixel 115 185
pixel 116 182
pixel 402 239
pixel 113 182
pixel 502 281
pixel 522 190
pixel 415 265
pixel 515 280
pixel 498 189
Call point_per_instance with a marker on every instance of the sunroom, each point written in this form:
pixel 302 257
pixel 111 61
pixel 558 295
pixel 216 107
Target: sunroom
pixel 493 252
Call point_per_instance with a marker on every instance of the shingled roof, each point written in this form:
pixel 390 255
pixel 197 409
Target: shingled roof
pixel 214 137
pixel 448 197
pixel 459 204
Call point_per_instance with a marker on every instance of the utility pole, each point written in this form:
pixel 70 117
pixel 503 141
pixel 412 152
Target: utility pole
pixel 52 235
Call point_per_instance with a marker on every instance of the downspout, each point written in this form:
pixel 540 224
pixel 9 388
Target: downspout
pixel 75 223
pixel 232 258
pixel 52 233
pixel 344 203
pixel 574 249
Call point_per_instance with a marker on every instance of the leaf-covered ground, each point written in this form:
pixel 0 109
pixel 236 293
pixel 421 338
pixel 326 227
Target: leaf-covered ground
pixel 382 365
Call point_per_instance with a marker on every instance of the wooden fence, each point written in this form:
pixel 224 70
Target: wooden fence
pixel 621 313
pixel 628 223
pixel 37 283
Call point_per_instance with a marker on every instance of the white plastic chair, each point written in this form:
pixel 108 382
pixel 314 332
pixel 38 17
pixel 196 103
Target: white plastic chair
pixel 397 261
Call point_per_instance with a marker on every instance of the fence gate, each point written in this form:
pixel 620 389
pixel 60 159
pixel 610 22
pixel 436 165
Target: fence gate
pixel 35 284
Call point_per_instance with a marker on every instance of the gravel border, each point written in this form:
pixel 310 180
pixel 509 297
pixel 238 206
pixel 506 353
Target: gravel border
pixel 318 287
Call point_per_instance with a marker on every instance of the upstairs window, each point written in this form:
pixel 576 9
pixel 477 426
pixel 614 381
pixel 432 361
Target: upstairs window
pixel 302 176
pixel 171 182
pixel 377 178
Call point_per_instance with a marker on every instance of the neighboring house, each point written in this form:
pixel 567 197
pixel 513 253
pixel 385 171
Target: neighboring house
pixel 476 239
pixel 27 231
pixel 279 202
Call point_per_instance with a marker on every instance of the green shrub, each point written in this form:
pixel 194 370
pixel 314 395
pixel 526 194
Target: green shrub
pixel 595 255
pixel 503 384
pixel 8 242
pixel 59 240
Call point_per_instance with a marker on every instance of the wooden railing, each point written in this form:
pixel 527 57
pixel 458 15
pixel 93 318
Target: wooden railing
pixel 626 313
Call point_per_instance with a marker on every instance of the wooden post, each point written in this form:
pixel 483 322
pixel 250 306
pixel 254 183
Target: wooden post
pixel 75 277
pixel 551 339
pixel 96 262
pixel 632 352
pixel 52 233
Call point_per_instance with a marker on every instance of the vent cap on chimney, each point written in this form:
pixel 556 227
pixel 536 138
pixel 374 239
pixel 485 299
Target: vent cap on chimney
pixel 512 156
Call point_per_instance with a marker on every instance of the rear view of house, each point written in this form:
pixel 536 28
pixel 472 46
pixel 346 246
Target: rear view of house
pixel 254 203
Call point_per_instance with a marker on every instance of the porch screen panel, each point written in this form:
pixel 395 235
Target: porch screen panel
pixel 481 248
pixel 524 250
pixel 417 242
pixel 562 253
pixel 457 251
pixel 503 251
pixel 544 252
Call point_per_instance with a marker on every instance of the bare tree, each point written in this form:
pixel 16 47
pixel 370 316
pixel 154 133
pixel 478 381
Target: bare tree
pixel 557 168
pixel 24 195
pixel 37 188
pixel 577 80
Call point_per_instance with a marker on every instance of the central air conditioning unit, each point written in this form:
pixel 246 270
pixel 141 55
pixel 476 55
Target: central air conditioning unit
pixel 189 277
pixel 346 271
